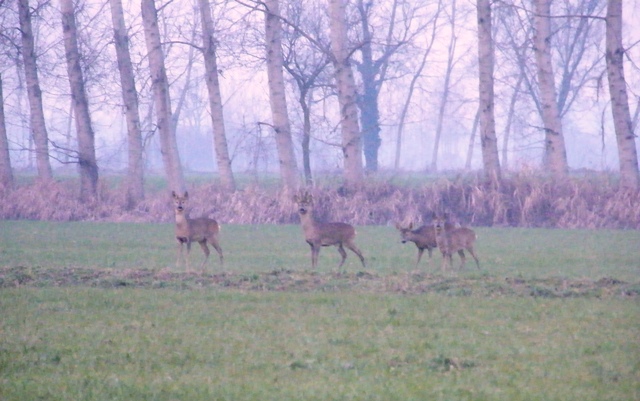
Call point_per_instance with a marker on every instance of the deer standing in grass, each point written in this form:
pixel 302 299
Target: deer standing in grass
pixel 452 239
pixel 200 230
pixel 424 237
pixel 319 234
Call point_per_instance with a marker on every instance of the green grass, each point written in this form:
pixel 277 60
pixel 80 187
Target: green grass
pixel 528 253
pixel 328 342
pixel 92 344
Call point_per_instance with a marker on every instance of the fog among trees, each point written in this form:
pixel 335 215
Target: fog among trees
pixel 293 89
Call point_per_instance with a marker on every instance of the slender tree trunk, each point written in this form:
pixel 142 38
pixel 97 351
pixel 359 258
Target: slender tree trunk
pixel 472 141
pixel 186 88
pixel 87 164
pixel 507 128
pixel 347 95
pixel 414 80
pixel 555 155
pixel 277 95
pixel 490 159
pixel 306 138
pixel 135 173
pixel 215 99
pixel 38 126
pixel 160 84
pixel 6 174
pixel 627 152
pixel 445 89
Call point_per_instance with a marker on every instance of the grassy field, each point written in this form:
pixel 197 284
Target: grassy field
pixel 98 311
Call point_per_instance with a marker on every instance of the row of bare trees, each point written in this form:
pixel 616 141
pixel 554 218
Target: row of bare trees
pixel 342 55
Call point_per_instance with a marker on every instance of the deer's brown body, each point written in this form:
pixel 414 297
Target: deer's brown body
pixel 319 234
pixel 452 239
pixel 424 237
pixel 200 230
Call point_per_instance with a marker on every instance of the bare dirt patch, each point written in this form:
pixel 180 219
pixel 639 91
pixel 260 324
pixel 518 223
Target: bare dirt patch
pixel 305 281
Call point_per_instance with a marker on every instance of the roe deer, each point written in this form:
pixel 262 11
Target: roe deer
pixel 424 237
pixel 452 239
pixel 319 234
pixel 198 230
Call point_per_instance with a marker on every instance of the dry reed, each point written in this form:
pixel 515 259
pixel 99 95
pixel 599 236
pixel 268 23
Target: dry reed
pixel 523 200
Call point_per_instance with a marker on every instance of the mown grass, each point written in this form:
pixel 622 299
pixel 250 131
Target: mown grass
pixel 324 342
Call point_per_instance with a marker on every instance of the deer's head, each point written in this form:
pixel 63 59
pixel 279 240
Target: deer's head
pixel 404 231
pixel 180 202
pixel 305 203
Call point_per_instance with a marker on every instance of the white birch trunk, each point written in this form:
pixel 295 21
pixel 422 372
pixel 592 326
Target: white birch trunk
pixel 277 95
pixel 135 174
pixel 555 155
pixel 215 99
pixel 36 113
pixel 160 84
pixel 489 143
pixel 347 95
pixel 627 152
pixel 87 165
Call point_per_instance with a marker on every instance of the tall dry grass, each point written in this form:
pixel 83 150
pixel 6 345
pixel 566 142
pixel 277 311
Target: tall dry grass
pixel 523 200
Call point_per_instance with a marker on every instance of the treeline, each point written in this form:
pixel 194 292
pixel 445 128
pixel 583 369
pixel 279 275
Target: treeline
pixel 523 200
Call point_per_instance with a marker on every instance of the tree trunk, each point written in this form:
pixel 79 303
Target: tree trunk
pixel 160 84
pixel 38 126
pixel 368 102
pixel 472 141
pixel 6 174
pixel 215 99
pixel 347 95
pixel 510 114
pixel 445 90
pixel 412 85
pixel 627 152
pixel 135 173
pixel 490 159
pixel 87 165
pixel 555 155
pixel 277 95
pixel 306 138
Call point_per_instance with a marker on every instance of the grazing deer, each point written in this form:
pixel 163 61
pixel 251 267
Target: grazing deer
pixel 198 230
pixel 452 239
pixel 424 237
pixel 319 234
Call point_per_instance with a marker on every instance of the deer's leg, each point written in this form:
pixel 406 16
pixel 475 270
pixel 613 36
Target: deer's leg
pixel 446 260
pixel 216 246
pixel 420 251
pixel 205 249
pixel 470 249
pixel 343 254
pixel 357 251
pixel 315 250
pixel 430 250
pixel 463 259
pixel 187 259
pixel 179 253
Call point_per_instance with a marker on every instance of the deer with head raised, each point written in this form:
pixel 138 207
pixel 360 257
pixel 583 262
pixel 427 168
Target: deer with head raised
pixel 200 230
pixel 319 234
pixel 452 239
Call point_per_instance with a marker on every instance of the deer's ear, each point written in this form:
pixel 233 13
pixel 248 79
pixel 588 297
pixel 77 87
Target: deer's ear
pixel 186 195
pixel 411 226
pixel 173 194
